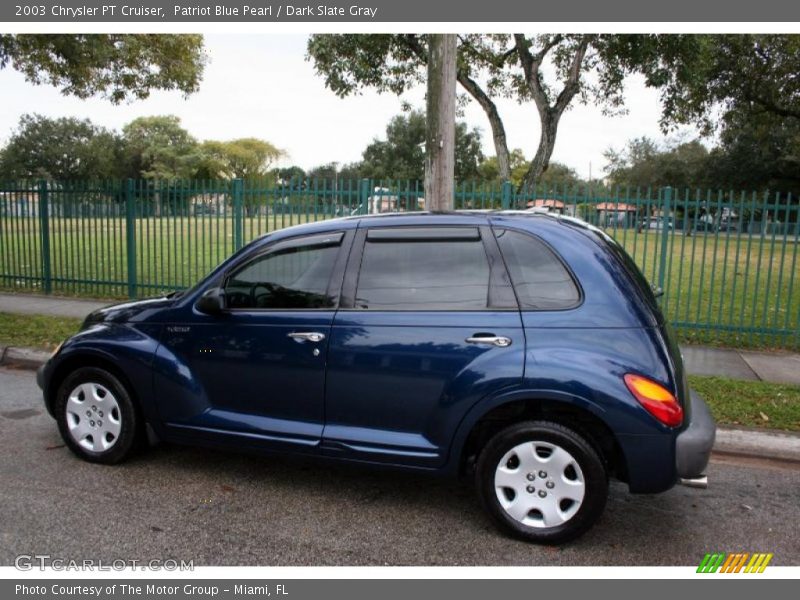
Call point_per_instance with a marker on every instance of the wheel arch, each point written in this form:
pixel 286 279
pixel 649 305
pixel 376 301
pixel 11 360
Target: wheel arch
pixel 583 416
pixel 88 358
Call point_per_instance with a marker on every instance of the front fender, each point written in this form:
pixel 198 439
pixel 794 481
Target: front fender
pixel 127 349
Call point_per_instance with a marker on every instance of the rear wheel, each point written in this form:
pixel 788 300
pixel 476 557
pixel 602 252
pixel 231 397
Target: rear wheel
pixel 542 482
pixel 96 416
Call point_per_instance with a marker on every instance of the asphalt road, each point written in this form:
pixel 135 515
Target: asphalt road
pixel 226 509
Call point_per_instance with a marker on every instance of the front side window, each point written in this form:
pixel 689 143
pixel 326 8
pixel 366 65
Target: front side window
pixel 540 279
pixel 293 277
pixel 418 270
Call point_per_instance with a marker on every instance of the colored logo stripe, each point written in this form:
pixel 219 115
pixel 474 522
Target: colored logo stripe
pixel 758 563
pixel 711 562
pixel 733 563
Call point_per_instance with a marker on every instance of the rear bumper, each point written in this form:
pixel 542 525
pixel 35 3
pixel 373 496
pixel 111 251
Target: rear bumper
pixel 693 445
pixel 656 462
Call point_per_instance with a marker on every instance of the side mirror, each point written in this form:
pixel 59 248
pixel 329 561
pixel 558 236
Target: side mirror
pixel 212 302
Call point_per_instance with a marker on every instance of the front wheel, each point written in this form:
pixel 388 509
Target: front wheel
pixel 96 416
pixel 542 482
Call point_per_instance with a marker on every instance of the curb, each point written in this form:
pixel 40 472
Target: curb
pixel 23 358
pixel 771 445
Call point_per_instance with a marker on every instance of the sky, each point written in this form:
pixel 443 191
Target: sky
pixel 260 85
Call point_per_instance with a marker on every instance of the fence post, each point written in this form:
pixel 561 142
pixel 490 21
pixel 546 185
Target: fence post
pixel 44 233
pixel 666 209
pixel 505 198
pixel 363 196
pixel 238 213
pixel 130 235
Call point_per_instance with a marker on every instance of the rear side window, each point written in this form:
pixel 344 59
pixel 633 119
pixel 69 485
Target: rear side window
pixel 405 271
pixel 540 279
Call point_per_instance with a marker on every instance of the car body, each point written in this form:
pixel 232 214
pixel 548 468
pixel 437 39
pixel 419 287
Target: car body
pixel 728 226
pixel 707 226
pixel 657 223
pixel 408 340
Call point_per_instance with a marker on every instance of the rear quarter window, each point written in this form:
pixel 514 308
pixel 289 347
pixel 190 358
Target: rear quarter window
pixel 540 278
pixel 633 270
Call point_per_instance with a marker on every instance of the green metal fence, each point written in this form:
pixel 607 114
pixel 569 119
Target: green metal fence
pixel 727 261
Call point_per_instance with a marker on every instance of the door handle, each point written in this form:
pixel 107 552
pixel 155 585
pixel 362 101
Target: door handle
pixel 310 336
pixel 490 340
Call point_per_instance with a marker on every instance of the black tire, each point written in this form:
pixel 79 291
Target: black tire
pixel 121 446
pixel 591 472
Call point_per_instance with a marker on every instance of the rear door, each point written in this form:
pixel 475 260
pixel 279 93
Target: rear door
pixel 427 326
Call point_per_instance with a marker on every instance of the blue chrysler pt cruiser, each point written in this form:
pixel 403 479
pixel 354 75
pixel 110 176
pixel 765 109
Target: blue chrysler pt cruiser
pixel 525 351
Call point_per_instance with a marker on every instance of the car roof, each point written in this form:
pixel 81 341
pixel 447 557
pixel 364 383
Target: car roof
pixel 536 222
pixel 528 219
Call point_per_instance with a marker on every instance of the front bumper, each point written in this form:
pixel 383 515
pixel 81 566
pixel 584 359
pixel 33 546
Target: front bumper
pixel 693 445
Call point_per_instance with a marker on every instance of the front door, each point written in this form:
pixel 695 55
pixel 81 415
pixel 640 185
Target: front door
pixel 256 373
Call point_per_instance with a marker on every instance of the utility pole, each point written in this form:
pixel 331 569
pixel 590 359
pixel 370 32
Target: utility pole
pixel 441 113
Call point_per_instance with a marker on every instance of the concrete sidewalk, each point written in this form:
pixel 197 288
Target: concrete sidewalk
pixel 775 367
pixel 55 306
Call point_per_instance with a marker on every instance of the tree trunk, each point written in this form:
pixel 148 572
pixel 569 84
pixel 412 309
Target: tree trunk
pixel 500 143
pixel 547 140
pixel 549 114
pixel 495 122
pixel 441 117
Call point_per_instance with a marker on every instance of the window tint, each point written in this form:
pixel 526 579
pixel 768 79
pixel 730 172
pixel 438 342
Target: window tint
pixel 420 274
pixel 633 271
pixel 540 279
pixel 291 278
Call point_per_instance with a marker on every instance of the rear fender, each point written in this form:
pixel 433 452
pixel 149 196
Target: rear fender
pixel 488 404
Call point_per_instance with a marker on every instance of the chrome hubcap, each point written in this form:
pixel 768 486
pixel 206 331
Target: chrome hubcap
pixel 539 484
pixel 93 417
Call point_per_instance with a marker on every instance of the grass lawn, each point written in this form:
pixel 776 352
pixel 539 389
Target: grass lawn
pixel 724 289
pixel 36 331
pixel 750 403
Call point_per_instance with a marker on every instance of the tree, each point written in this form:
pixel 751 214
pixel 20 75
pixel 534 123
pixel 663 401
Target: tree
pixel 644 163
pixel 351 171
pixel 245 158
pixel 288 174
pixel 699 75
pixel 328 172
pixel 489 169
pixel 489 67
pixel 557 177
pixel 159 148
pixel 402 154
pixel 758 152
pixel 118 66
pixel 61 149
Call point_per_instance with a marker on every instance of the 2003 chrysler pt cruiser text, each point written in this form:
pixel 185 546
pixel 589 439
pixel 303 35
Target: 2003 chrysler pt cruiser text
pixel 524 350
